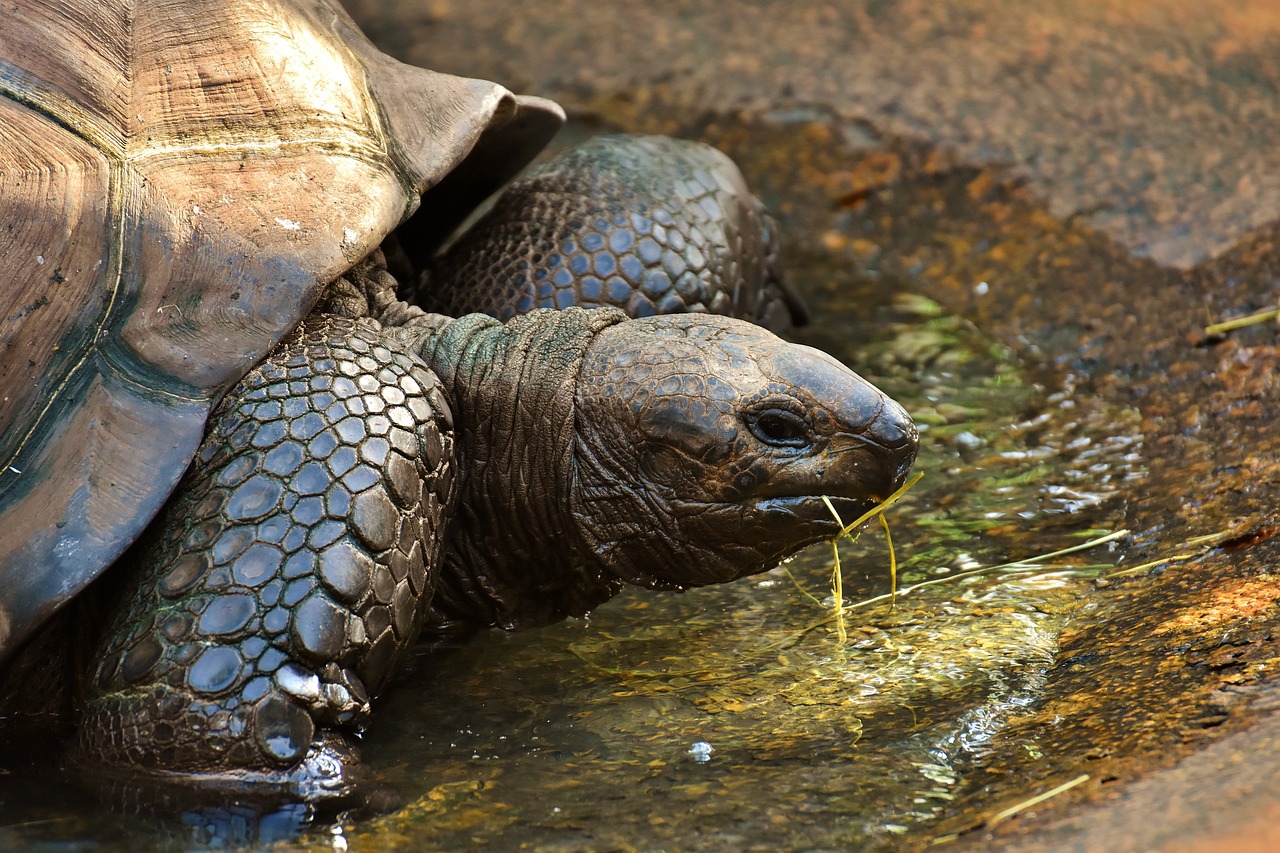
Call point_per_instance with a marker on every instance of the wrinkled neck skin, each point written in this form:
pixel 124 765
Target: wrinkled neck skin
pixel 514 555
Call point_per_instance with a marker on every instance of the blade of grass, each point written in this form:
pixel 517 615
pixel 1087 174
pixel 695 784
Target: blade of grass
pixel 875 510
pixel 837 590
pixel 837 577
pixel 1001 816
pixel 1206 543
pixel 1176 558
pixel 1027 565
pixel 1241 322
pixel 1030 564
pixel 893 563
pixel 1083 546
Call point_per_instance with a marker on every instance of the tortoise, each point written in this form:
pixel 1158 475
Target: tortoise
pixel 211 386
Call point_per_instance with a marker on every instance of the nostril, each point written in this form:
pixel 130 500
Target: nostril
pixel 893 429
pixel 888 433
pixel 897 434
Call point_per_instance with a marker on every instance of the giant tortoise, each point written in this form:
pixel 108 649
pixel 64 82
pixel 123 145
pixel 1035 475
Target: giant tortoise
pixel 211 387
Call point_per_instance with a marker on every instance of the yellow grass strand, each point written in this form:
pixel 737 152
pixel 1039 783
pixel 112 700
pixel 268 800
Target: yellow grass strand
pixel 831 508
pixel 875 510
pixel 1240 322
pixel 1025 565
pixel 837 577
pixel 1212 538
pixel 1052 555
pixel 1205 543
pixel 1001 816
pixel 1030 564
pixel 893 563
pixel 1164 561
pixel 795 581
pixel 837 589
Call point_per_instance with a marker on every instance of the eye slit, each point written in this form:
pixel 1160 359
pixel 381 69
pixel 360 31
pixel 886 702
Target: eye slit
pixel 779 427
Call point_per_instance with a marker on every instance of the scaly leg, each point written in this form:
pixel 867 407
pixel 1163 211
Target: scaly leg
pixel 288 575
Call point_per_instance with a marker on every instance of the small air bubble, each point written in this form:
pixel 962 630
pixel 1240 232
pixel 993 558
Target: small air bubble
pixel 701 751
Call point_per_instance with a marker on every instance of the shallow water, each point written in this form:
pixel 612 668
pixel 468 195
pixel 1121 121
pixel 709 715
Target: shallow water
pixel 733 716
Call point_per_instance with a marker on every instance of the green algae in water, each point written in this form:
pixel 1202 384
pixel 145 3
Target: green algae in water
pixel 1022 460
pixel 879 732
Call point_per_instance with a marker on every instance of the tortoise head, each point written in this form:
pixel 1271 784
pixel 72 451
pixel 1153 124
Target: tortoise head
pixel 705 446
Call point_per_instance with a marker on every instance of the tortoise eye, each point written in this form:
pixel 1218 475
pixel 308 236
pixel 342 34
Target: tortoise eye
pixel 779 427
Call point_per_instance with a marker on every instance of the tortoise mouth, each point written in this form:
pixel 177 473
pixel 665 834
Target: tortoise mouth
pixel 810 513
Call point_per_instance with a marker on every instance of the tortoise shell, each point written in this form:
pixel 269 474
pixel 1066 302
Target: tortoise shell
pixel 178 182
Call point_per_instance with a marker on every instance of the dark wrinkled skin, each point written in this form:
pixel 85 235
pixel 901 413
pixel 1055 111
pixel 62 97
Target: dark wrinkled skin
pixel 662 474
pixel 390 469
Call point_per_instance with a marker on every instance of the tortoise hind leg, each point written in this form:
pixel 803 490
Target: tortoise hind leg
pixel 650 225
pixel 287 576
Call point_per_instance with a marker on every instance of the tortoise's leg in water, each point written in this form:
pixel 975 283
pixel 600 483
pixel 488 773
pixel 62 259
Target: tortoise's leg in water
pixel 650 225
pixel 288 575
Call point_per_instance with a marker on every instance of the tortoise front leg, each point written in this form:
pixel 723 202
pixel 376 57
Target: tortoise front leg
pixel 289 574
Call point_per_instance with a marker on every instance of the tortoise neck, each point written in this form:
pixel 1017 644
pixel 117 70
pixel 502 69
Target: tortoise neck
pixel 514 556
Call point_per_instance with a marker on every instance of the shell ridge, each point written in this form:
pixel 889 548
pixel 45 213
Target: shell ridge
pixel 54 104
pixel 114 272
pixel 214 166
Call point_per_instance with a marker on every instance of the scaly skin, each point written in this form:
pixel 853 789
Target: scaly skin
pixel 638 450
pixel 647 224
pixel 289 575
pixel 288 578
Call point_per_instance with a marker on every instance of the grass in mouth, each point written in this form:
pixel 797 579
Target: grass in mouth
pixel 837 579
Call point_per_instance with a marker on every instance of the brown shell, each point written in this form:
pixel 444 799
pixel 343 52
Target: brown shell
pixel 178 180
